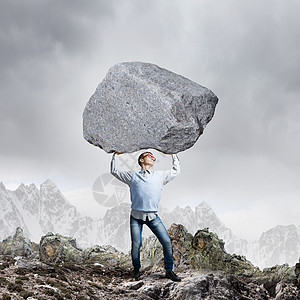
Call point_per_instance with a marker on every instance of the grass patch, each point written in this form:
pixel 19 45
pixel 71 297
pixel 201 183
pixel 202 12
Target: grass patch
pixel 91 294
pixel 23 278
pixel 3 281
pixel 26 294
pixel 44 272
pixel 98 286
pixel 12 287
pixel 18 282
pixel 62 277
pixel 73 267
pixel 4 266
pixel 23 271
pixel 40 281
pixel 66 292
pixel 77 287
pixel 55 283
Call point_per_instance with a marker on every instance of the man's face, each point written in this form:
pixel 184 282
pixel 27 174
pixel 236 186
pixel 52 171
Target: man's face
pixel 148 159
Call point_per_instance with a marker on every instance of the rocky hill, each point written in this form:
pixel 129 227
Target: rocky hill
pixel 57 269
pixel 38 211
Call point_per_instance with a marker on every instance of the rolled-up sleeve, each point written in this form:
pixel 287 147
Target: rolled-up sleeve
pixel 171 174
pixel 124 176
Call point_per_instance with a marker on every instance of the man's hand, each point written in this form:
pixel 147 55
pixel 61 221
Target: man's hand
pixel 118 153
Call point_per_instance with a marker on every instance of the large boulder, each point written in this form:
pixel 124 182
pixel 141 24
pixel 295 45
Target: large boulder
pixel 297 273
pixel 216 286
pixel 105 255
pixel 204 250
pixel 140 105
pixel 208 252
pixel 55 248
pixel 19 245
pixel 275 278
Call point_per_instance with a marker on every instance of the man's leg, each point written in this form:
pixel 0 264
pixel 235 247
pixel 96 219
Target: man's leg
pixel 158 228
pixel 136 241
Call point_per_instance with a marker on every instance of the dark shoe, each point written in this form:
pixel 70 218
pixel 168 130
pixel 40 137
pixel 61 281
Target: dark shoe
pixel 171 275
pixel 136 274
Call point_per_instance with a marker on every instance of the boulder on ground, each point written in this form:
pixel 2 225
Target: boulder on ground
pixel 105 255
pixel 18 245
pixel 204 250
pixel 55 248
pixel 140 105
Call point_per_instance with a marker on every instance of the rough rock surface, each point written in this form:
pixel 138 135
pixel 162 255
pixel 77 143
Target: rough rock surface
pixel 297 273
pixel 102 273
pixel 275 279
pixel 204 250
pixel 140 105
pixel 94 281
pixel 18 245
pixel 55 248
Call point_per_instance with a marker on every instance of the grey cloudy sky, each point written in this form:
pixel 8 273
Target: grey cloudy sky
pixel 246 164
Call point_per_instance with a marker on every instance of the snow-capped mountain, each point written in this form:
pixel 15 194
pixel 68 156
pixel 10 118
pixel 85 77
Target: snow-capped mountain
pixel 280 244
pixel 202 217
pixel 117 232
pixel 39 211
pixel 10 216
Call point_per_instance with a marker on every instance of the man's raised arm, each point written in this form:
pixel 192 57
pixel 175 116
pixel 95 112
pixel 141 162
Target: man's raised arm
pixel 124 176
pixel 171 174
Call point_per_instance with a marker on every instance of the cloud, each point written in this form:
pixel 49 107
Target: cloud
pixel 44 47
pixel 260 217
pixel 54 54
pixel 85 203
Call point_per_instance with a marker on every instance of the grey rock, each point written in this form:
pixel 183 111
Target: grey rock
pixel 25 263
pixel 140 105
pixel 18 245
pixel 55 248
pixel 112 279
pixel 286 291
pixel 204 250
pixel 133 285
pixel 215 286
pixel 105 255
pixel 152 253
pixel 297 270
pixel 297 273
pixel 271 277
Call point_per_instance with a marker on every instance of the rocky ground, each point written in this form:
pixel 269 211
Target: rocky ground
pixel 57 269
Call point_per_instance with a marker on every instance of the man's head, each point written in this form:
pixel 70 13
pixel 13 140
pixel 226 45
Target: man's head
pixel 146 159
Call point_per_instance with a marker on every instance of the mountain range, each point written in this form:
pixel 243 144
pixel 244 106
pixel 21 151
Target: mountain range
pixel 43 210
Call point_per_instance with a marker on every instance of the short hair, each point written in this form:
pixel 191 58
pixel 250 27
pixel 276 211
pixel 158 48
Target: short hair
pixel 142 156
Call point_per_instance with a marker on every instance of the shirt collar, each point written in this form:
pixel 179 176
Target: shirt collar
pixel 143 171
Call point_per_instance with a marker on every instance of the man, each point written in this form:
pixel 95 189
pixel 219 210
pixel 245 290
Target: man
pixel 145 192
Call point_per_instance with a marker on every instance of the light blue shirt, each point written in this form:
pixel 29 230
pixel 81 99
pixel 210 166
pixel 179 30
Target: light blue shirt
pixel 145 191
pixel 145 187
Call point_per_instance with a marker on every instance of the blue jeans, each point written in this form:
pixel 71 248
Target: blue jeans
pixel 158 228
